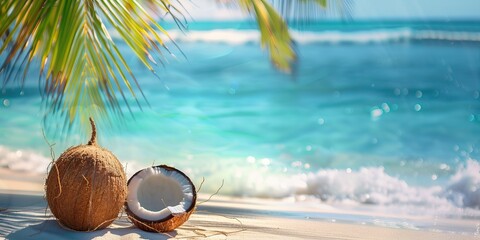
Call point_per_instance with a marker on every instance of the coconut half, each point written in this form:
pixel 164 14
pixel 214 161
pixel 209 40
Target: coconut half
pixel 160 198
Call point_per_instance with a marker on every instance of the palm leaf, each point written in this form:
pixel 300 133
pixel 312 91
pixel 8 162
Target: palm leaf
pixel 273 24
pixel 85 73
pixel 301 10
pixel 274 32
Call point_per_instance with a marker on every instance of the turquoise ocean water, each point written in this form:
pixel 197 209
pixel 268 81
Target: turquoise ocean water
pixel 377 113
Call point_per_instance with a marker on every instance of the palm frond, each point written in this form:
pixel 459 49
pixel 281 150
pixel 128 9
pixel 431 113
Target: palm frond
pixel 306 10
pixel 272 20
pixel 85 72
pixel 274 33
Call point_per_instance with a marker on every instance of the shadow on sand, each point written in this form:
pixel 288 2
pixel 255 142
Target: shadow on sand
pixel 50 229
pixel 24 216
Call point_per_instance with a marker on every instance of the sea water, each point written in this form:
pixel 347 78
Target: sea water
pixel 377 113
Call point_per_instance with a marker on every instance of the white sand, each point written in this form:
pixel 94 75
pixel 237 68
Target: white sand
pixel 23 215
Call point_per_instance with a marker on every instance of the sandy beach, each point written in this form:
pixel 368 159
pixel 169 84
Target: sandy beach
pixel 24 215
pixel 240 119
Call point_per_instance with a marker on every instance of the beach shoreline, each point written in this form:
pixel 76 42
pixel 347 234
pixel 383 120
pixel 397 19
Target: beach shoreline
pixel 24 216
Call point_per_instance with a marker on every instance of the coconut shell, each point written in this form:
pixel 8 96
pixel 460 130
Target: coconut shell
pixel 86 187
pixel 164 225
pixel 169 223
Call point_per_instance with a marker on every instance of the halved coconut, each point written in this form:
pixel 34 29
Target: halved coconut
pixel 160 198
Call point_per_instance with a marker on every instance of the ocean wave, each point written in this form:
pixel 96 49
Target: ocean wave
pixel 226 36
pixel 464 186
pixel 368 185
pixel 375 186
pixel 446 36
pixel 31 161
pixel 23 160
pixel 239 37
pixel 358 37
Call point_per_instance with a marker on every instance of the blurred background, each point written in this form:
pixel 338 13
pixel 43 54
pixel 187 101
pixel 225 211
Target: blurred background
pixel 382 108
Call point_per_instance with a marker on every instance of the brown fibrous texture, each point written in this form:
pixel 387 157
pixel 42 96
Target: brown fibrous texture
pixel 86 187
pixel 161 226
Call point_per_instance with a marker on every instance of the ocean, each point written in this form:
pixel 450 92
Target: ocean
pixel 375 113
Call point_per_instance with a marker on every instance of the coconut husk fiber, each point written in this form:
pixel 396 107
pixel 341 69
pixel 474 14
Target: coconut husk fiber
pixel 86 187
pixel 164 225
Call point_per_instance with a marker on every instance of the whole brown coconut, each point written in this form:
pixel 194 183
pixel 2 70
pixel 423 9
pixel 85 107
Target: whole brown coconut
pixel 86 187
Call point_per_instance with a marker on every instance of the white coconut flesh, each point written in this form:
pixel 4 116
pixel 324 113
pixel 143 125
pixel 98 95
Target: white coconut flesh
pixel 156 193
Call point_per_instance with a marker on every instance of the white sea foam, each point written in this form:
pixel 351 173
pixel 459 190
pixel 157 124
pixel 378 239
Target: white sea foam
pixel 365 186
pixel 30 161
pixel 23 160
pixel 464 187
pixel 238 37
pixel 368 185
pixel 372 185
pixel 227 36
pixel 360 37
pixel 446 35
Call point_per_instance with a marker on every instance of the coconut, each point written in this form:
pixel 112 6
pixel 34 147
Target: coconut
pixel 160 198
pixel 86 187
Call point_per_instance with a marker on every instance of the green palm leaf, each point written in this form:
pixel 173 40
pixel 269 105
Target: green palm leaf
pixel 274 32
pixel 273 24
pixel 85 73
pixel 305 10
